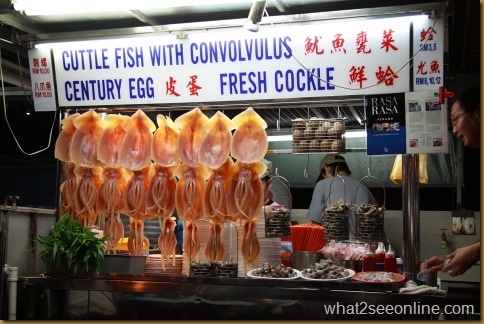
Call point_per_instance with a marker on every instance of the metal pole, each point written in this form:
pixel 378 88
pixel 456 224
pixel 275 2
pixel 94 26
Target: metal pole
pixel 59 174
pixel 411 216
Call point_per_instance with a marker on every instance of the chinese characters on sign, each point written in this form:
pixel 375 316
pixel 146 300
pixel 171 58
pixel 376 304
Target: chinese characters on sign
pixel 300 61
pixel 41 76
pixel 428 62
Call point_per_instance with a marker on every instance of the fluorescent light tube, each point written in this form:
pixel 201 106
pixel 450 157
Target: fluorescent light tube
pixel 355 134
pixel 62 7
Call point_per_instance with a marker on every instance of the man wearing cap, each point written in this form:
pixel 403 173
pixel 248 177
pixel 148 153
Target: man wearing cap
pixel 328 166
pixel 329 190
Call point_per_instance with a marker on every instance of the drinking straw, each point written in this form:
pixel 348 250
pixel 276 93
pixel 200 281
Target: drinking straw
pixel 307 237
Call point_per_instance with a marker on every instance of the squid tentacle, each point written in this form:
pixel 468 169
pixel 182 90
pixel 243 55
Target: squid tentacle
pixel 136 198
pixel 243 192
pixel 111 194
pixel 159 194
pixel 191 193
pixel 217 198
pixel 88 195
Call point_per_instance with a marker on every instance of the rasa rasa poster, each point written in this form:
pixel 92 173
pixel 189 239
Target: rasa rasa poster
pixel 406 123
pixel 386 131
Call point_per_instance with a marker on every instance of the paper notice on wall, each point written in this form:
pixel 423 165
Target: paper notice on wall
pixel 42 78
pixel 426 121
pixel 406 123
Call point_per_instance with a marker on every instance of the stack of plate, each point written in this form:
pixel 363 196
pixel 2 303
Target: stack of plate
pixel 203 235
pixel 270 248
pixel 154 265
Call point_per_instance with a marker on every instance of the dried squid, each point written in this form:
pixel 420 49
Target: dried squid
pixel 216 145
pixel 112 197
pixel 191 241
pixel 245 200
pixel 135 207
pixel 68 189
pixel 87 195
pixel 215 192
pixel 113 191
pixel 136 193
pixel 250 246
pixel 136 239
pixel 189 191
pixel 83 149
pixel 63 142
pixel 215 207
pixel 135 149
pixel 164 150
pixel 161 193
pixel 188 201
pixel 110 141
pixel 167 240
pixel 249 142
pixel 160 199
pixel 192 134
pixel 214 250
pixel 246 193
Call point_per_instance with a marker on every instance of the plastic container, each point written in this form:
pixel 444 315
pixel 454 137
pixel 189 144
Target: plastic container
pixel 390 262
pixel 369 263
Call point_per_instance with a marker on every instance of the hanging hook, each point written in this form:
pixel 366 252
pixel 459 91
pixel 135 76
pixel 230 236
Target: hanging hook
pixel 279 120
pixel 276 172
pixel 369 166
pixel 306 170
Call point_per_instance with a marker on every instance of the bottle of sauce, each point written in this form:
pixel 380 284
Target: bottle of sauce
pixel 369 260
pixel 380 253
pixel 390 262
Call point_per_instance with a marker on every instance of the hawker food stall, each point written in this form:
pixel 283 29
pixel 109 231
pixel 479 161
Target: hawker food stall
pixel 185 158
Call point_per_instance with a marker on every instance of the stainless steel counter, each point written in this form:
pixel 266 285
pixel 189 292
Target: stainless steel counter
pixel 158 297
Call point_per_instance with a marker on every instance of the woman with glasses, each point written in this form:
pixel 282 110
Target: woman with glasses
pixel 465 116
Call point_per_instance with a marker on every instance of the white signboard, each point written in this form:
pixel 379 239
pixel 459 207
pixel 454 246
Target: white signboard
pixel 428 63
pixel 319 59
pixel 42 78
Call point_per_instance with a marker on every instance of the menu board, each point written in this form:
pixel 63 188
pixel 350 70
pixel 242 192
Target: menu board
pixel 406 123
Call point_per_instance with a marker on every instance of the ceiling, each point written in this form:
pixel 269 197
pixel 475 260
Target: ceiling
pixel 18 32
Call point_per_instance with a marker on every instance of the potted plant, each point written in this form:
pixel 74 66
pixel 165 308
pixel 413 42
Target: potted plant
pixel 71 246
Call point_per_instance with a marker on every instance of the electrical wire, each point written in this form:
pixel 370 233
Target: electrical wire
pixel 8 123
pixel 339 86
pixel 22 78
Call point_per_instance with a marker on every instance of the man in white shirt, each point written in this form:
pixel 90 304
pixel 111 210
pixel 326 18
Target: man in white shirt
pixel 335 184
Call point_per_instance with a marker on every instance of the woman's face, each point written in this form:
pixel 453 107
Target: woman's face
pixel 466 125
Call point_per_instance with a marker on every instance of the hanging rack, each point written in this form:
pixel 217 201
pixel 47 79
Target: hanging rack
pixel 369 224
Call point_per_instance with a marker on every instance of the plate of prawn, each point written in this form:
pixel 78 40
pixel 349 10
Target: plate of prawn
pixel 378 277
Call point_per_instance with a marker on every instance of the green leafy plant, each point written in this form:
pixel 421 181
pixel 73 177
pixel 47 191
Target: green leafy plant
pixel 68 242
